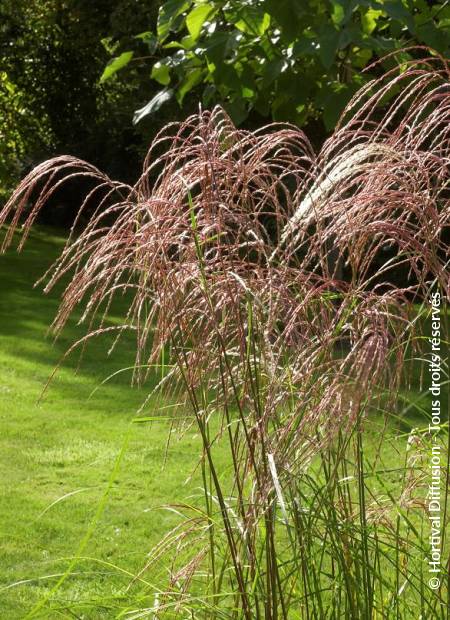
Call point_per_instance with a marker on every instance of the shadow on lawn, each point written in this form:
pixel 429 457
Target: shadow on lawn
pixel 26 314
pixel 24 333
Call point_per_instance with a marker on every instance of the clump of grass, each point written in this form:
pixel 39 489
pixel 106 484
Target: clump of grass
pixel 253 266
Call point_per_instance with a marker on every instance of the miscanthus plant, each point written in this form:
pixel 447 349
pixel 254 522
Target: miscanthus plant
pixel 279 292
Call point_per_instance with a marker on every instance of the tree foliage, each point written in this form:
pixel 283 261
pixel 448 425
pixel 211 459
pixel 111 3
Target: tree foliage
pixel 286 59
pixel 74 73
pixel 51 56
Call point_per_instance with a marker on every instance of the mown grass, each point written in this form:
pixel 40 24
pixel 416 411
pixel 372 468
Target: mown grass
pixel 57 458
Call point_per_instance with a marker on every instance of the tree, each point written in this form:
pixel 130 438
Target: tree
pixel 51 102
pixel 294 60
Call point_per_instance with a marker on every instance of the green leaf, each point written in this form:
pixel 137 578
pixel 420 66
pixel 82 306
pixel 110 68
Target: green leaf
pixel 343 11
pixel 219 45
pixel 237 110
pixel 434 37
pixel 161 73
pixel 209 94
pixel 115 65
pixel 329 43
pixel 334 98
pixel 168 13
pixel 338 14
pixel 349 34
pixel 378 43
pixel 362 57
pixel 153 105
pixel 293 92
pixel 110 44
pixel 193 78
pixel 262 103
pixel 253 20
pixel 304 45
pixel 246 73
pixel 149 39
pixel 396 10
pixel 271 71
pixel 186 43
pixel 369 20
pixel 196 18
pixel 225 74
pixel 287 15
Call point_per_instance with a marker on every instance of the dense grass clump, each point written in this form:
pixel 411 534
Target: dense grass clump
pixel 253 271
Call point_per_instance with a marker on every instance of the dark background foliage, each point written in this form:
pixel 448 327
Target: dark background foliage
pixel 51 100
pixel 73 73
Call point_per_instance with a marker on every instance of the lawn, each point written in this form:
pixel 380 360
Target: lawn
pixel 57 456
pixel 79 477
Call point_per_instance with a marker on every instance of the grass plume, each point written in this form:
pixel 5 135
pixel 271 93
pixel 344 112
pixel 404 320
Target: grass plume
pixel 283 286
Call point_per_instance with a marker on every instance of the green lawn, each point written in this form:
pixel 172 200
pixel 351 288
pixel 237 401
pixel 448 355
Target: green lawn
pixel 57 457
